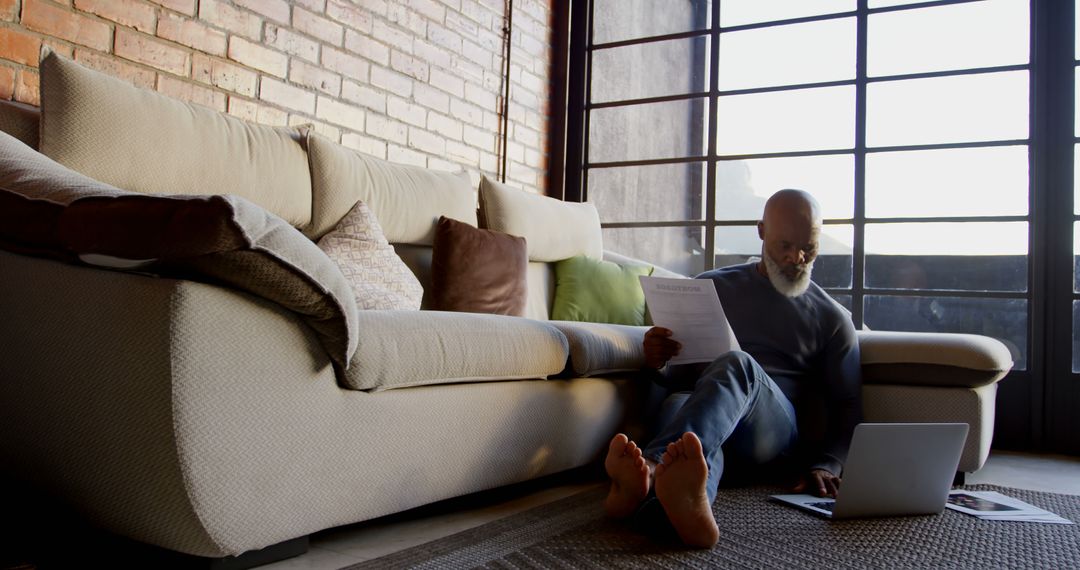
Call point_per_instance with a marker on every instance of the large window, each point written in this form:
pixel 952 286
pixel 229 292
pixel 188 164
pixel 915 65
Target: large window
pixel 913 122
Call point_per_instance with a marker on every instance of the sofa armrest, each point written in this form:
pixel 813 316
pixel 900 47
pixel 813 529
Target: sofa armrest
pixel 625 260
pixel 932 359
pixel 602 348
pixel 133 397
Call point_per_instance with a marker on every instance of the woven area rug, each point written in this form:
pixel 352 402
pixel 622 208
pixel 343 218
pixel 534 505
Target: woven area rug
pixel 757 533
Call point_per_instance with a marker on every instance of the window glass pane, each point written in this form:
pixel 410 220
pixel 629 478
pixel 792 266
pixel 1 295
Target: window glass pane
pixel 884 3
pixel 832 268
pixel 966 108
pixel 672 129
pixel 738 12
pixel 660 193
pixel 677 249
pixel 1076 177
pixel 650 70
pixel 804 119
pixel 743 186
pixel 738 244
pixel 788 55
pixel 973 256
pixel 1076 337
pixel 954 182
pixel 1076 100
pixel 961 36
pixel 844 300
pixel 1076 257
pixel 1003 319
pixel 616 20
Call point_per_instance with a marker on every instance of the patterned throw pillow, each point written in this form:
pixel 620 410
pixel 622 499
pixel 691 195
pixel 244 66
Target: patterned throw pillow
pixel 378 277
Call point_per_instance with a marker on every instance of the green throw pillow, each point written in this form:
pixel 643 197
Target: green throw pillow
pixel 596 291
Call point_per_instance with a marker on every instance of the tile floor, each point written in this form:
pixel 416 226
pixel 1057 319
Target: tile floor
pixel 342 546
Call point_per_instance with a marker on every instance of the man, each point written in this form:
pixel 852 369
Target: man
pixel 800 350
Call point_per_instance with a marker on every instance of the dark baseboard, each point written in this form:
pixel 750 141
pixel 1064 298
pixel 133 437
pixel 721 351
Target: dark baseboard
pixel 250 559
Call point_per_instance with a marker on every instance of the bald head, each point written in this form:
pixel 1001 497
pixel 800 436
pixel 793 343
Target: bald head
pixel 790 206
pixel 789 230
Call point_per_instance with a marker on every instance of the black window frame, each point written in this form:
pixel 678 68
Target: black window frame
pixel 1041 401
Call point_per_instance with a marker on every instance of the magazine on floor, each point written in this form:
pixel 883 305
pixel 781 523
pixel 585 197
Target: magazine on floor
pixel 991 505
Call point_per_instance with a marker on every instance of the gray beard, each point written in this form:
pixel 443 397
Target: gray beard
pixel 780 282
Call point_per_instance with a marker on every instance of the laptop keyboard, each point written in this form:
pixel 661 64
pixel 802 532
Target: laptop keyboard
pixel 824 505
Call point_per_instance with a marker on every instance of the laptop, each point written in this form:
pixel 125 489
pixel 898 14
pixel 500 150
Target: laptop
pixel 893 469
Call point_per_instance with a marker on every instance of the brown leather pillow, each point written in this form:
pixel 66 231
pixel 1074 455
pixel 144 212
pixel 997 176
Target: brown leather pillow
pixel 478 271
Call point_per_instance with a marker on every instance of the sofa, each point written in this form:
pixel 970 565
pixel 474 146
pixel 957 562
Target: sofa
pixel 179 405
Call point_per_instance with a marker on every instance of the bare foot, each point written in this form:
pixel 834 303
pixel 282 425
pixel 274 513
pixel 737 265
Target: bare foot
pixel 629 477
pixel 680 486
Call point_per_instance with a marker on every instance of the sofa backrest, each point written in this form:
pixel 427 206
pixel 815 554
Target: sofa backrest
pixel 407 200
pixel 541 283
pixel 540 276
pixel 20 121
pixel 143 141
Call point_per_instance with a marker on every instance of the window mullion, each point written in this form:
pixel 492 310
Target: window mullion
pixel 710 166
pixel 858 253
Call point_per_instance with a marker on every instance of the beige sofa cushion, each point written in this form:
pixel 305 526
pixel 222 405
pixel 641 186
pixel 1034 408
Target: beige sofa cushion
pixel 418 259
pixel 377 275
pixel 554 229
pixel 399 349
pixel 540 277
pixel 932 359
pixel 601 348
pixel 407 200
pixel 145 142
pixel 20 121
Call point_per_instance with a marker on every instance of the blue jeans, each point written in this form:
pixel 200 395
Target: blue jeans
pixel 734 407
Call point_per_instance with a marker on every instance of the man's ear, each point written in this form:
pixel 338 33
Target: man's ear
pixel 761 230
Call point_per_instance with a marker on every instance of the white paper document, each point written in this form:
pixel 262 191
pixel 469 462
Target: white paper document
pixel 692 310
pixel 991 505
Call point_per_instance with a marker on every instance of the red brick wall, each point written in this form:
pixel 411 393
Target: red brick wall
pixel 411 81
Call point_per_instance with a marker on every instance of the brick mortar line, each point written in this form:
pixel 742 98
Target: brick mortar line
pixel 162 11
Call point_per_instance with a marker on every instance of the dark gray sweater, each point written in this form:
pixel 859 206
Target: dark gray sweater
pixel 807 345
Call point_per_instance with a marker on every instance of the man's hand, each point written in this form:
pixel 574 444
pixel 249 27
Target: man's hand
pixel 820 483
pixel 659 347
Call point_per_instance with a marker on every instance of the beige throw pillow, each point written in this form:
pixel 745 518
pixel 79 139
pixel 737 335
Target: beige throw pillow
pixel 142 141
pixel 407 200
pixel 379 279
pixel 554 229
